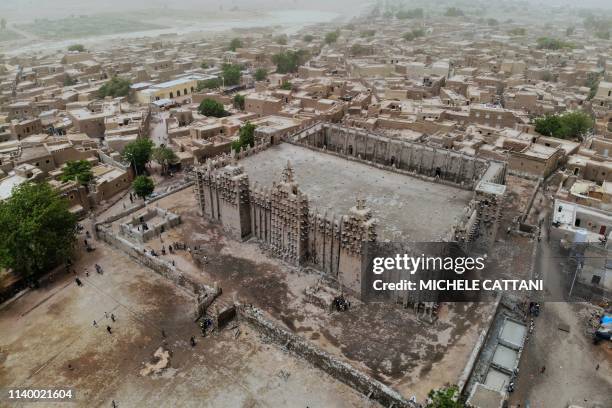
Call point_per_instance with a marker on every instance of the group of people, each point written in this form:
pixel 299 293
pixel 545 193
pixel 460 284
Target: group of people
pixel 176 246
pixel 341 304
pixel 98 268
pixel 99 271
pixel 86 243
pixel 108 328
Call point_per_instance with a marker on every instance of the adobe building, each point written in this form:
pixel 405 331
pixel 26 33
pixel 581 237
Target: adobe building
pixel 262 104
pixel 92 124
pixel 536 160
pixel 177 88
pixel 25 128
pixel 320 209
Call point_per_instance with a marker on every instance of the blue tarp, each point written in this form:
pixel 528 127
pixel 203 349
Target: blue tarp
pixel 606 319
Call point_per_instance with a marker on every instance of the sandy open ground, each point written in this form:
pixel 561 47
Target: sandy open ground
pixel 47 339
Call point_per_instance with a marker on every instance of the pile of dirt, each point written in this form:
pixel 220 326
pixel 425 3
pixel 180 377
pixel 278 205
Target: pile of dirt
pixel 159 362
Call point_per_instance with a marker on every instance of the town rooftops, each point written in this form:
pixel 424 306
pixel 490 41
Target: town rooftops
pixel 141 85
pixel 539 152
pixel 35 139
pixel 78 137
pixel 105 172
pixel 183 80
pixel 32 153
pixel 491 188
pixel 20 104
pixel 7 184
pixel 20 175
pixel 83 114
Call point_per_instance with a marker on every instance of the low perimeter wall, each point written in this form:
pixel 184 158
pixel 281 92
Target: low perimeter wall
pixel 162 267
pixel 337 369
pixel 302 348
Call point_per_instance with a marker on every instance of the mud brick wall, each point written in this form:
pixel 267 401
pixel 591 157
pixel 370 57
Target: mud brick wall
pixel 476 353
pixel 337 369
pixel 123 213
pixel 414 159
pixel 158 265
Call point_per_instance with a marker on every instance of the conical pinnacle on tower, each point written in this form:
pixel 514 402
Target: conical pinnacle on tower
pixel 360 201
pixel 288 173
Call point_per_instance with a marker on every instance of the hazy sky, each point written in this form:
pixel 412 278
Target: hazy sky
pixel 30 9
pixel 21 10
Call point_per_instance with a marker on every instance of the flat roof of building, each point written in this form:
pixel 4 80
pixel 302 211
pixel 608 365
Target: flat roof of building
pixel 484 397
pixel 7 184
pixel 538 151
pixel 83 113
pixel 405 207
pixel 31 153
pixel 180 81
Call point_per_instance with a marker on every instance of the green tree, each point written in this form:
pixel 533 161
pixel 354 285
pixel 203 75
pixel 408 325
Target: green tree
pixel 367 33
pixel 210 107
pixel 289 61
pixel 415 33
pixel 235 44
pixel 143 186
pixel 164 156
pixel 566 126
pixel 445 398
pixel 408 36
pixel 548 43
pixel 204 65
pixel 358 49
pixel 78 170
pixel 549 125
pixel 547 76
pixel 286 85
pixel 37 230
pixel 208 84
pixel 453 12
pixel 517 31
pixel 332 37
pixel 3 24
pixel 246 137
pixel 69 81
pixel 77 48
pixel 308 38
pixel 577 123
pixel 418 32
pixel 593 83
pixel 491 22
pixel 570 31
pixel 138 154
pixel 115 87
pixel 603 35
pixel 261 74
pixel 406 14
pixel 239 101
pixel 281 39
pixel 231 74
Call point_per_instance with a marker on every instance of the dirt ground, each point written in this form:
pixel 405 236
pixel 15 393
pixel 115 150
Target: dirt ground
pixel 47 339
pixel 385 341
pixel 570 359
